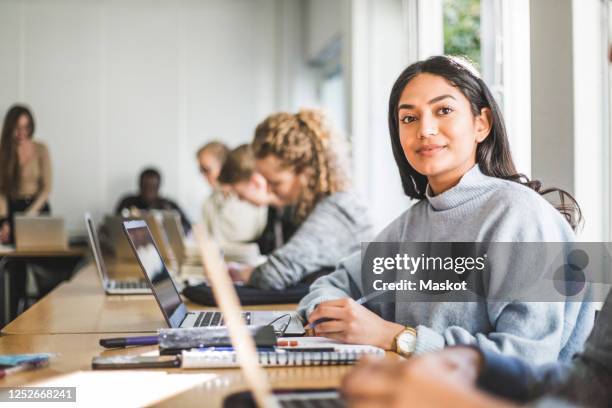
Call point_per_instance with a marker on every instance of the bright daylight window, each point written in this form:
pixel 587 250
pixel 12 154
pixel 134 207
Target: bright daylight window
pixel 462 29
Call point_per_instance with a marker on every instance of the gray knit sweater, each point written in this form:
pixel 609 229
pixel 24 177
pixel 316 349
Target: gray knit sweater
pixel 333 230
pixel 478 209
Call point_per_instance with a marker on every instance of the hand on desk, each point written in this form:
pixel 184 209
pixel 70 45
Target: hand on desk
pixel 5 233
pixel 440 379
pixel 349 322
pixel 239 272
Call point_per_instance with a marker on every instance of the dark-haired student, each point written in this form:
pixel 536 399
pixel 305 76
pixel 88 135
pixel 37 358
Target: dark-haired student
pixel 25 171
pixel 451 377
pixel 25 183
pixel 450 145
pixel 303 163
pixel 148 198
pixel 238 173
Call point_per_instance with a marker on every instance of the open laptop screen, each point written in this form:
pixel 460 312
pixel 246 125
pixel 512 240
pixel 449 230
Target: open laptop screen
pixel 95 247
pixel 152 264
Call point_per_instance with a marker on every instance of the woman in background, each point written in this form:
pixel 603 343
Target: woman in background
pixel 25 171
pixel 25 184
pixel 239 174
pixel 303 164
pixel 226 219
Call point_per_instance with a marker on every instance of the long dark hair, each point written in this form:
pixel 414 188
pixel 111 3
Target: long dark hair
pixel 9 163
pixel 492 155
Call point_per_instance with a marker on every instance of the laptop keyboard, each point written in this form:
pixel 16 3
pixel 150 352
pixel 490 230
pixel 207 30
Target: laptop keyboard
pixel 324 399
pixel 206 319
pixel 130 285
pixel 314 403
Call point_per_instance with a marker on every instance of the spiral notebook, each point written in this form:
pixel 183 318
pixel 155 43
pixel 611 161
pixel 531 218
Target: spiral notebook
pixel 348 354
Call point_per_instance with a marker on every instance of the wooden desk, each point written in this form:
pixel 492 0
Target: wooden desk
pixel 77 350
pixel 9 252
pixel 80 306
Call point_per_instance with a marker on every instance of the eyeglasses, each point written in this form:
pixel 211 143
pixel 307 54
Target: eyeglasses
pixel 205 170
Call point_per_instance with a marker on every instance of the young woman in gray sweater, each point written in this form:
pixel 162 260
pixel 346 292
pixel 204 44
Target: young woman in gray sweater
pixel 302 161
pixel 452 152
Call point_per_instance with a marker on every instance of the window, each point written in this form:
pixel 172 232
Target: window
pixel 462 28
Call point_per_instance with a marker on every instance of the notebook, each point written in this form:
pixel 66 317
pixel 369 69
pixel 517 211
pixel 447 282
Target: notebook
pixel 302 352
pixel 285 358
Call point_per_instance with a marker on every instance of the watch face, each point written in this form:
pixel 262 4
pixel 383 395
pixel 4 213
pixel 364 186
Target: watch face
pixel 406 342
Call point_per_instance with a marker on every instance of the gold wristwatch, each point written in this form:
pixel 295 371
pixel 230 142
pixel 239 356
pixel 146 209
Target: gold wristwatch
pixel 405 342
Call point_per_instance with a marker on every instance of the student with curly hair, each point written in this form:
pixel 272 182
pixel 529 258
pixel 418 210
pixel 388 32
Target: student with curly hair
pixel 302 160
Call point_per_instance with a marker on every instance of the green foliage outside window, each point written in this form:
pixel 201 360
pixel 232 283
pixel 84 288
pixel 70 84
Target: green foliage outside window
pixel 462 28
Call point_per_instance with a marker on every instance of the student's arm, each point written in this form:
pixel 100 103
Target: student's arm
pixel 331 232
pixel 45 182
pixel 342 283
pixel 3 208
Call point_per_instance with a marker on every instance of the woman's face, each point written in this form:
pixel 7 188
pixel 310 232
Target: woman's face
pixel 438 131
pixel 23 129
pixel 284 183
pixel 210 167
pixel 255 191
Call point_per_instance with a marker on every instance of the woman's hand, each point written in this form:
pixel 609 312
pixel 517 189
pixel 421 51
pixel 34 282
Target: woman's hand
pixel 434 380
pixel 349 322
pixel 239 272
pixel 5 233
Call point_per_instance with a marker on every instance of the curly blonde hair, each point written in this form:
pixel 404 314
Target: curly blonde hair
pixel 304 142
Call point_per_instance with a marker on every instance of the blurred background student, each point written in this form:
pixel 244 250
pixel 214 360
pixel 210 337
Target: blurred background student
pixel 238 174
pixel 303 163
pixel 226 218
pixel 25 171
pixel 148 198
pixel 25 185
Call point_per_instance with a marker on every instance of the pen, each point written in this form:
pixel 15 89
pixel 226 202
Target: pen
pixel 23 367
pixel 360 301
pixel 121 342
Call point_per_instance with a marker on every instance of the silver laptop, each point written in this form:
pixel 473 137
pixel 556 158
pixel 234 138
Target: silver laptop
pixel 40 233
pixel 169 299
pixel 113 226
pixel 112 286
pixel 175 233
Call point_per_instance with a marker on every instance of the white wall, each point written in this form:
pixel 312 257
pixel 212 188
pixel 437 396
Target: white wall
pixel 118 85
pixel 567 79
pixel 376 33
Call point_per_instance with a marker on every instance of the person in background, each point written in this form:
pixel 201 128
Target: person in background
pixel 25 185
pixel 238 173
pixel 25 171
pixel 226 218
pixel 450 145
pixel 303 162
pixel 450 377
pixel 148 198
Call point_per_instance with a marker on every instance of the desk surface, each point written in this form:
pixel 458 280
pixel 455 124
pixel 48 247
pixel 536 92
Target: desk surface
pixel 80 306
pixel 10 251
pixel 77 350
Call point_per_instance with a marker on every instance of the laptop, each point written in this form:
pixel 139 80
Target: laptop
pixel 40 233
pixel 112 286
pixel 169 299
pixel 113 227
